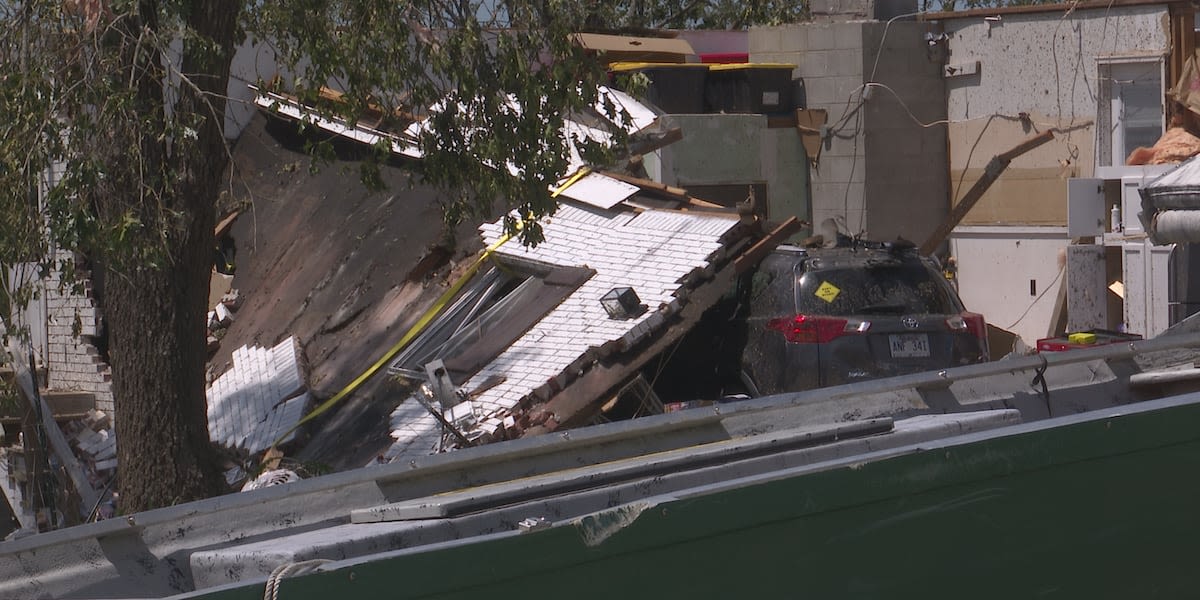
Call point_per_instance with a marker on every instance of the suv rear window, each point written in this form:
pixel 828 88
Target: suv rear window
pixel 891 288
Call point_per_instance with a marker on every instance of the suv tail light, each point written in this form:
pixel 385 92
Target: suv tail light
pixel 808 329
pixel 972 323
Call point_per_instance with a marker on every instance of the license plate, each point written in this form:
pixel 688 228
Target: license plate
pixel 909 345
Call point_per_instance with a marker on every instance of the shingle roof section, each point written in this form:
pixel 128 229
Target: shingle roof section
pixel 649 251
pixel 258 399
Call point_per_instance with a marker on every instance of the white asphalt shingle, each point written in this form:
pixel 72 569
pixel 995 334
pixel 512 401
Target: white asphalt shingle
pixel 648 251
pixel 246 407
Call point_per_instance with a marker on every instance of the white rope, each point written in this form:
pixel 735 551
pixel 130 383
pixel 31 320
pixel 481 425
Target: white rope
pixel 289 570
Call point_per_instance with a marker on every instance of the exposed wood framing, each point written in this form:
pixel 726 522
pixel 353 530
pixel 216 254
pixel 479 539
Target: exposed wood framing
pixel 579 400
pixel 1183 39
pixel 649 186
pixel 764 246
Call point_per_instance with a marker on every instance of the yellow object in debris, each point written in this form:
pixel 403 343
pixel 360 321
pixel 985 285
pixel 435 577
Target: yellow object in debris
pixel 1082 338
pixel 827 291
pixel 580 174
pixel 409 336
pixel 424 321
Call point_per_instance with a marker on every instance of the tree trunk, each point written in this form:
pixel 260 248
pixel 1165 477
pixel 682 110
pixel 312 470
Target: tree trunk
pixel 156 322
pixel 156 308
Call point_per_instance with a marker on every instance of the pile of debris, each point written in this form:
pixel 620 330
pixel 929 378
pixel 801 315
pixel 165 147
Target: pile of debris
pixel 94 442
pixel 260 400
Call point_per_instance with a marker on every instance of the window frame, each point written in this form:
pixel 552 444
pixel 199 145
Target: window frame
pixel 1110 130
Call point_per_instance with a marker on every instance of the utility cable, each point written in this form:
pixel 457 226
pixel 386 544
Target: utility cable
pixel 1039 297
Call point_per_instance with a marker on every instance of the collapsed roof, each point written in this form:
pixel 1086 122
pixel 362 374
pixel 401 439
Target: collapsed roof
pixel 556 305
pixel 535 348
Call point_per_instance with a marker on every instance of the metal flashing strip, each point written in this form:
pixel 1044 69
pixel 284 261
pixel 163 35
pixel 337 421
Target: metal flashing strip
pixel 358 543
pixel 561 482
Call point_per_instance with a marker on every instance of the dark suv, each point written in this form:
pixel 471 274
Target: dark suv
pixel 827 316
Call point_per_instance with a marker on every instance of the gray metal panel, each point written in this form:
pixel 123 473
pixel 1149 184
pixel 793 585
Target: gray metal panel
pixel 499 494
pixel 1087 288
pixel 256 559
pixel 147 556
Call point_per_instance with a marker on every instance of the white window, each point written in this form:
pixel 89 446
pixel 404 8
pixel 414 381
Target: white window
pixel 1131 110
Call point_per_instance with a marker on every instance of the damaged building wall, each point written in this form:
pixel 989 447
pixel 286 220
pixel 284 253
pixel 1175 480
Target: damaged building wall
pixel 769 157
pixel 1012 276
pixel 1015 75
pixel 875 160
pixel 906 138
pixel 64 325
pixel 1037 71
pixel 73 362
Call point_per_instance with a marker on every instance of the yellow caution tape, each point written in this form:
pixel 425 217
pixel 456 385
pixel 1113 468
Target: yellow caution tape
pixel 421 324
pixel 412 333
pixel 580 174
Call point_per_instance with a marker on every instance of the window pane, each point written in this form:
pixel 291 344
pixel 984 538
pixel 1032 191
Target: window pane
pixel 1136 94
pixel 890 288
pixel 1143 114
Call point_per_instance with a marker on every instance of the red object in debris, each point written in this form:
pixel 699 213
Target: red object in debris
pixel 1103 338
pixel 716 58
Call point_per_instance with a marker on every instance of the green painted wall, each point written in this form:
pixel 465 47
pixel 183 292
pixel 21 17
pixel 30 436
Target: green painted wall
pixel 1105 508
pixel 738 149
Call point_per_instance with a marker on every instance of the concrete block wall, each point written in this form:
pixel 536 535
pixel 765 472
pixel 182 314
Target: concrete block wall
pixel 72 361
pixel 829 58
pixel 881 174
pixel 855 10
pixel 906 143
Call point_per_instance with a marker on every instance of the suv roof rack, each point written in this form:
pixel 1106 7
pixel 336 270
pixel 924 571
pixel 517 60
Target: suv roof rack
pixel 897 246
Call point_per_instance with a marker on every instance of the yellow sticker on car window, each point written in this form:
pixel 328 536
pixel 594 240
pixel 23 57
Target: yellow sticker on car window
pixel 827 291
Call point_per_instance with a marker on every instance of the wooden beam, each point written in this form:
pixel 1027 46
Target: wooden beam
pixel 993 170
pixel 764 246
pixel 225 224
pixel 679 194
pixel 1183 40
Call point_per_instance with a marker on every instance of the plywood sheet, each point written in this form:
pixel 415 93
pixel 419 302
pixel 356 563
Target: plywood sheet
pixel 1018 197
pixel 600 191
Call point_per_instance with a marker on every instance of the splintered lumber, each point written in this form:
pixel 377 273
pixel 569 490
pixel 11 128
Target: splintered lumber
pixel 993 170
pixel 764 246
pixel 58 442
pixel 647 185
